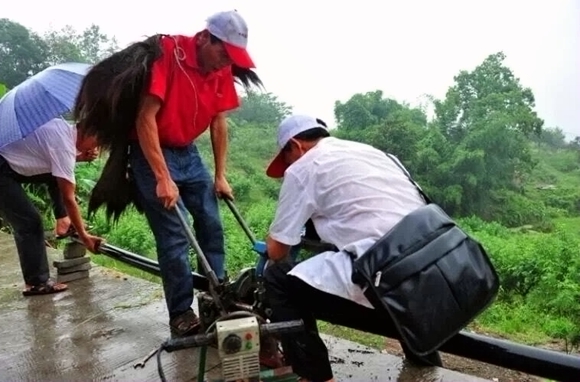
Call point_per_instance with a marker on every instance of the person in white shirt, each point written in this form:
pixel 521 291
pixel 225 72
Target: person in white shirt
pixel 51 149
pixel 354 194
pixel 63 226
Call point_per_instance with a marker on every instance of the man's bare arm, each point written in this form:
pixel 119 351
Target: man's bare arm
pixel 67 190
pixel 219 143
pixel 276 251
pixel 147 132
pixel 149 138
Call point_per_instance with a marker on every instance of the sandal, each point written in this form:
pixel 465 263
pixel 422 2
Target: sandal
pixel 185 324
pixel 48 287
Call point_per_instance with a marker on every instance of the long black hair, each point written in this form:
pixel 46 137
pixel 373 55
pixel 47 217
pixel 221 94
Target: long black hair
pixel 106 108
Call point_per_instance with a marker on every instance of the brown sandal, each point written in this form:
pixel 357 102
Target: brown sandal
pixel 48 287
pixel 186 324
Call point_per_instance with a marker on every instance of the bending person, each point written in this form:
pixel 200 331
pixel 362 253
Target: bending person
pixel 51 150
pixel 191 90
pixel 63 227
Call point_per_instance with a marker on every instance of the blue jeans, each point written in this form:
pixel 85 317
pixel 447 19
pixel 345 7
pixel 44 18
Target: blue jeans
pixel 198 196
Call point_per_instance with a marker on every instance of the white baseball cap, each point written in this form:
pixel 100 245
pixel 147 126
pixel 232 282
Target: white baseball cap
pixel 289 128
pixel 232 29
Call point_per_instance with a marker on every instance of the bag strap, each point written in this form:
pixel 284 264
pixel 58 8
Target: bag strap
pixel 425 197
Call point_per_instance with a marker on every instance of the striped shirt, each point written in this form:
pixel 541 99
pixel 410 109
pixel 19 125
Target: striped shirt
pixel 50 149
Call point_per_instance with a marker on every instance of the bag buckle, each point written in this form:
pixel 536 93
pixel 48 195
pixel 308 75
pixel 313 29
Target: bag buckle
pixel 378 278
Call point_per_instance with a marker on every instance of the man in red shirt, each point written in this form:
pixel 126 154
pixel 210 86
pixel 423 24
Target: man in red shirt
pixel 191 89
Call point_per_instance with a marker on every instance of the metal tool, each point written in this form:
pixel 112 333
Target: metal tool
pixel 241 220
pixel 142 363
pixel 209 272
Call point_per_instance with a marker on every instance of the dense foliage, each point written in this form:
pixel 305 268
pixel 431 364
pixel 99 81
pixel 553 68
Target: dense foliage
pixel 485 156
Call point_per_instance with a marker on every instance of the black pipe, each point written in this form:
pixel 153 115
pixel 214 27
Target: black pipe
pixel 145 264
pixel 195 341
pixel 543 363
pixel 284 327
pixel 527 359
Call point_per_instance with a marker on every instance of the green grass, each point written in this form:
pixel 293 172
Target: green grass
pixel 569 224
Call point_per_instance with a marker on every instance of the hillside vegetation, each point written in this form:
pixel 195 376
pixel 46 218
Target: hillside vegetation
pixel 486 157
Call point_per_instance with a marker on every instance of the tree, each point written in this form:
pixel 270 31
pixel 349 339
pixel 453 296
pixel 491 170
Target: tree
pixel 96 45
pixel 398 133
pixel 485 120
pixel 384 123
pixel 22 53
pixel 575 145
pixel 364 110
pixel 477 148
pixel 63 46
pixel 260 109
pixel 551 137
pixel 491 88
pixel 67 44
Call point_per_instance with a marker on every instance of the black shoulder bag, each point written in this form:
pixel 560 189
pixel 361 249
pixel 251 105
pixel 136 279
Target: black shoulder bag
pixel 429 275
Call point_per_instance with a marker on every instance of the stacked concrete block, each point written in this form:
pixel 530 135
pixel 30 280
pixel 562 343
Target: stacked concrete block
pixel 75 265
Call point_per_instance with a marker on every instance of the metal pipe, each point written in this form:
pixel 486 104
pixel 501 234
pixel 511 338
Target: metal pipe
pixel 193 242
pixel 145 264
pixel 527 359
pixel 212 278
pixel 241 220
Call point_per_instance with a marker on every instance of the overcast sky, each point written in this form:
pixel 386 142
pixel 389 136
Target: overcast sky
pixel 312 53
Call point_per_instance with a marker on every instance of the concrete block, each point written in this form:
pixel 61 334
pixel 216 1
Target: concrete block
pixel 72 276
pixel 76 268
pixel 71 262
pixel 74 250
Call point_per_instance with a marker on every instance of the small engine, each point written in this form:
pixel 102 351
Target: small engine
pixel 238 343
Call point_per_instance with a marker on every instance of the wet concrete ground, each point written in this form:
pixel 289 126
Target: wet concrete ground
pixel 104 324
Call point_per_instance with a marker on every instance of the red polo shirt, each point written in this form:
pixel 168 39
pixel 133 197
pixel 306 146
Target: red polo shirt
pixel 190 99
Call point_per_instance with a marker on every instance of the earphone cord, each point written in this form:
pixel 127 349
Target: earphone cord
pixel 180 55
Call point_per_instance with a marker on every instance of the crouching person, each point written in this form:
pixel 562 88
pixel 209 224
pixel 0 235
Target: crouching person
pixel 354 194
pixel 51 150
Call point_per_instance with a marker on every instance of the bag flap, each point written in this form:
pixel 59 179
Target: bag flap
pixel 409 235
pixel 418 260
